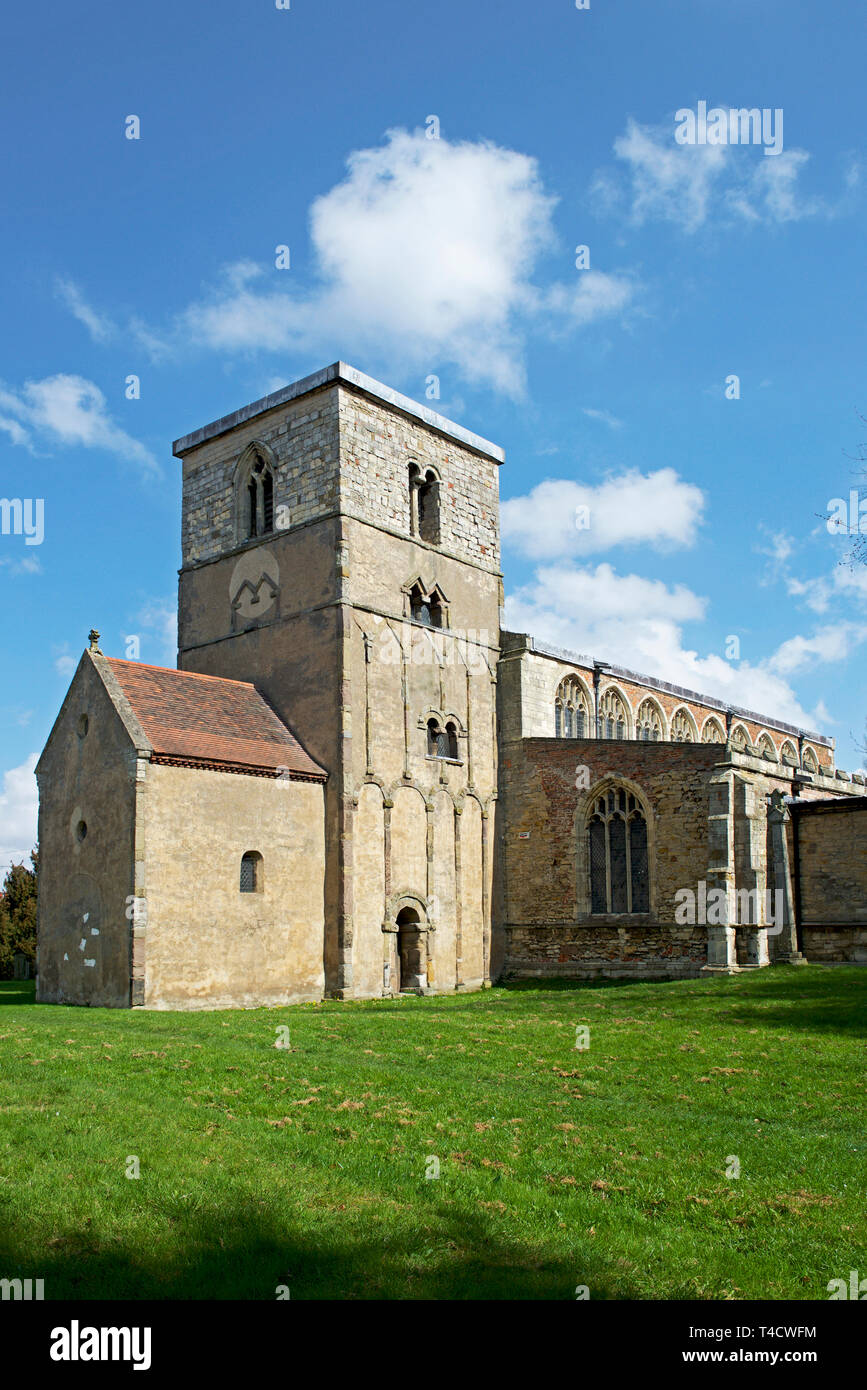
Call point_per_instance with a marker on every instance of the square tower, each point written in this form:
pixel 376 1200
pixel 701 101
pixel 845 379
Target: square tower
pixel 341 551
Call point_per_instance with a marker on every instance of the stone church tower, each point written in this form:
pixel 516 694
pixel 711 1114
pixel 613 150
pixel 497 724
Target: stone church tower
pixel 341 552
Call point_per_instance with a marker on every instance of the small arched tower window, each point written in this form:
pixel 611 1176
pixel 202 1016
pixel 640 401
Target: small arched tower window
pixel 437 740
pixel 424 504
pixel 617 833
pixel 256 481
pixel 252 879
pixel 452 741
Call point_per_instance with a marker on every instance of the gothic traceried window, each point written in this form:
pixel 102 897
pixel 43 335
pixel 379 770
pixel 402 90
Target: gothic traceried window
pixel 766 748
pixel 811 762
pixel 788 754
pixel 648 722
pixel 612 721
pixel 619 874
pixel 682 728
pixel 713 732
pixel 740 739
pixel 258 498
pixel 571 709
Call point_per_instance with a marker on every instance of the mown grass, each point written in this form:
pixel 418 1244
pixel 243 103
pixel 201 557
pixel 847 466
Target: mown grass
pixel 306 1166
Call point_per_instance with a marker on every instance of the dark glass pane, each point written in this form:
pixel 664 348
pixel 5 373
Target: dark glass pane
pixel 453 741
pixel 598 896
pixel 248 874
pixel 268 501
pixel 579 723
pixel 620 728
pixel 558 721
pixel 617 843
pixel 442 744
pixel 251 508
pixel 638 856
pixel 567 714
pixel 610 727
pixel 432 737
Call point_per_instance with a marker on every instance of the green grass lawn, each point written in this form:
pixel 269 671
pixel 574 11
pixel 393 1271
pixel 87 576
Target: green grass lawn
pixel 306 1165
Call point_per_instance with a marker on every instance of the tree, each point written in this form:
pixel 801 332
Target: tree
pixel 18 915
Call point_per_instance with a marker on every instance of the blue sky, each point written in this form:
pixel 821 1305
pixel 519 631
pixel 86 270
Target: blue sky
pixel 454 257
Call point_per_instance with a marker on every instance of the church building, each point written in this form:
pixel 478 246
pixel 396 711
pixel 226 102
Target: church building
pixel 356 784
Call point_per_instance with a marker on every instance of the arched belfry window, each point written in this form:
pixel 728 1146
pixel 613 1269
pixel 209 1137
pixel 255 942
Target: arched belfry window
pixel 424 504
pixel 251 872
pixel 617 834
pixel 256 494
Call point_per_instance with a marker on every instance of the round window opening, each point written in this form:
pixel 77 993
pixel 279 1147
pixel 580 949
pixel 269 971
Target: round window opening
pixel 83 726
pixel 81 830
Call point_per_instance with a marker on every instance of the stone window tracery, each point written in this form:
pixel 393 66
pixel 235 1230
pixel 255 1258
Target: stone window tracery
pixel 619 872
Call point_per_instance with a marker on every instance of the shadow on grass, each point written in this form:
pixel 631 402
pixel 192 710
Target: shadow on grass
pixel 241 1255
pixel 17 992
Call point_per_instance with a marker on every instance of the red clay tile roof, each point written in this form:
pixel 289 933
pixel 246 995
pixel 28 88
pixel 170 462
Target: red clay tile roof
pixel 209 720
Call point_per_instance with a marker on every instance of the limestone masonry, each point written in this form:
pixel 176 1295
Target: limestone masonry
pixel 358 785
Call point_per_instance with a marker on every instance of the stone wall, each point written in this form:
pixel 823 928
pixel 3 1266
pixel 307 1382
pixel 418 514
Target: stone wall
pixel 86 884
pixel 208 945
pixel 831 856
pixel 303 438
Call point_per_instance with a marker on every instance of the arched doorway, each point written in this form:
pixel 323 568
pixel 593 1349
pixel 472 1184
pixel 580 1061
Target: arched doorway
pixel 411 962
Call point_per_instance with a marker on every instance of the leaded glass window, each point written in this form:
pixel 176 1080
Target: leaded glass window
pixel 619 879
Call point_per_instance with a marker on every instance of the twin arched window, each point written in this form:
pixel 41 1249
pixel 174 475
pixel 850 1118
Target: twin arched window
pixel 442 740
pixel 426 608
pixel 617 833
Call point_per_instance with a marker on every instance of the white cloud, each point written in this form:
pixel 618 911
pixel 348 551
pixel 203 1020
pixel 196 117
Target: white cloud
pixel 98 326
pixel 70 410
pixel 605 418
pixel 657 509
pixel 18 814
pixel 833 643
pixel 64 662
pixel 158 620
pixel 634 622
pixel 424 254
pixel 29 564
pixel 687 184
